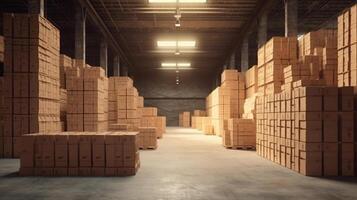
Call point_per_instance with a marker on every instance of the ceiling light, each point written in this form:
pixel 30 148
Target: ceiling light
pixel 192 1
pixel 162 1
pixel 184 64
pixel 177 53
pixel 166 43
pixel 168 64
pixel 176 44
pixel 177 1
pixel 186 44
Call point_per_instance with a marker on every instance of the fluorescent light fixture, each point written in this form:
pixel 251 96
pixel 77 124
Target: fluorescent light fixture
pixel 176 44
pixel 184 64
pixel 162 1
pixel 192 1
pixel 168 64
pixel 177 1
pixel 166 43
pixel 186 44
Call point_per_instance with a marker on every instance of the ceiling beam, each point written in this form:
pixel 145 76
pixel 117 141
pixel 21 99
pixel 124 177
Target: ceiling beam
pixel 104 29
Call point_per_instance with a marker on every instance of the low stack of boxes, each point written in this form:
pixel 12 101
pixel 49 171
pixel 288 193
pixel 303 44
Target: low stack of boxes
pixel 150 119
pixel 251 78
pixel 31 73
pixel 80 154
pixel 147 138
pixel 309 130
pixel 87 97
pixel 276 54
pixel 185 119
pixel 240 134
pixel 347 47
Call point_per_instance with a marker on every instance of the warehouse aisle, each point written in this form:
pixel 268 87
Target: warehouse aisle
pixel 187 165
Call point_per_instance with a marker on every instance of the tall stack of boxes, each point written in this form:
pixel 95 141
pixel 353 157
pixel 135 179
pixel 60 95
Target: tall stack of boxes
pixel 347 47
pixel 185 119
pixel 80 154
pixel 31 71
pixel 251 78
pixel 276 54
pixel 309 130
pixel 123 103
pixel 87 98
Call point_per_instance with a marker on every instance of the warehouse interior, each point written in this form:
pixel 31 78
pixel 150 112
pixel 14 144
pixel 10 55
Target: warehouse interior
pixel 178 99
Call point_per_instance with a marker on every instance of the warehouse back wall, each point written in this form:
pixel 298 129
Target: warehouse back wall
pixel 160 90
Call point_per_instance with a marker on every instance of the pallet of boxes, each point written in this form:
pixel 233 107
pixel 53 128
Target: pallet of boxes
pixel 80 154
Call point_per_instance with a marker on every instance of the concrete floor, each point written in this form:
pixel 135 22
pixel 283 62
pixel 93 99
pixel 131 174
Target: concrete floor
pixel 187 165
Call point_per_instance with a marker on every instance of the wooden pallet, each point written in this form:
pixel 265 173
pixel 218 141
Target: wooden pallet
pixel 248 147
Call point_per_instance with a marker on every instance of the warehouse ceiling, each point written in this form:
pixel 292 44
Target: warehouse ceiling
pixel 217 26
pixel 139 24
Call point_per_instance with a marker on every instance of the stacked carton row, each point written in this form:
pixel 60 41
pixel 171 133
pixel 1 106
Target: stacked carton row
pixel 31 73
pixel 276 54
pixel 347 47
pixel 87 99
pixel 240 134
pixel 185 119
pixel 80 154
pixel 251 78
pixel 309 129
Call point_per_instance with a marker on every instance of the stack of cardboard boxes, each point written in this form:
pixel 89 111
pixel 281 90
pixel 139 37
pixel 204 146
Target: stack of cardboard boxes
pixel 65 64
pixel 310 130
pixel 347 47
pixel 251 78
pixel 80 154
pixel 318 56
pixel 150 119
pixel 31 73
pixel 276 54
pixel 87 97
pixel 240 134
pixel 185 119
